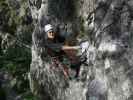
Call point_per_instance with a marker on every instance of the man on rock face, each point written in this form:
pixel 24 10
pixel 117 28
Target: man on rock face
pixel 56 49
pixel 53 37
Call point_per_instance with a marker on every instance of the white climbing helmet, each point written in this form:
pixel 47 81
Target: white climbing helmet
pixel 48 27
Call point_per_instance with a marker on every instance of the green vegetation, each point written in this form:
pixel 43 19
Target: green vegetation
pixel 15 59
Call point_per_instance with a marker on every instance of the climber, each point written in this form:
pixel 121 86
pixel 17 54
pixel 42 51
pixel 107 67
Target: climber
pixel 53 37
pixel 55 49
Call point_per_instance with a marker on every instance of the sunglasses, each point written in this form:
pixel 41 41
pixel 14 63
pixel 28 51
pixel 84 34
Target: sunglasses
pixel 50 32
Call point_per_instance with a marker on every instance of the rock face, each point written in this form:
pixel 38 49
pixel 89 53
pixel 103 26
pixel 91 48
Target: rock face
pixel 108 73
pixel 113 25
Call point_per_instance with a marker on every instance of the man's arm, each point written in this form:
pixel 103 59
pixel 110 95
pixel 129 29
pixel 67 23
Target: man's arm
pixel 59 46
pixel 70 47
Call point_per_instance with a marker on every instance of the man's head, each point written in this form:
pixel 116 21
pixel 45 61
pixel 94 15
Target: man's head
pixel 49 31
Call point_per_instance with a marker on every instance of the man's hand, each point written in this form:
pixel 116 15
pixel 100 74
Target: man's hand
pixel 84 46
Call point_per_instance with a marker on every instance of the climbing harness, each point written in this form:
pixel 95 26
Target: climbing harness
pixel 57 65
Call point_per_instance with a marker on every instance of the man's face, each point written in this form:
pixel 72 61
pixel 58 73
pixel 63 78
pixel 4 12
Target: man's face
pixel 51 34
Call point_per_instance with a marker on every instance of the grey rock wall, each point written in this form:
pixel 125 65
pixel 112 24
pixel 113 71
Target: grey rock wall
pixel 108 75
pixel 113 39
